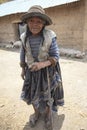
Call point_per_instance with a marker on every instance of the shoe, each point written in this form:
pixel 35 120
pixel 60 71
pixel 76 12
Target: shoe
pixel 33 120
pixel 48 123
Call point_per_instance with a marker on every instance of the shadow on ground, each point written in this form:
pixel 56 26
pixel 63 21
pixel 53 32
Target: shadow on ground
pixel 57 124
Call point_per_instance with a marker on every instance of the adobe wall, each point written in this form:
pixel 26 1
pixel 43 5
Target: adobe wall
pixel 8 28
pixel 85 28
pixel 68 23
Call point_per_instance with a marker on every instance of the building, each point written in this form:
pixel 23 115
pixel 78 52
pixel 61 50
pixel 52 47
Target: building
pixel 69 21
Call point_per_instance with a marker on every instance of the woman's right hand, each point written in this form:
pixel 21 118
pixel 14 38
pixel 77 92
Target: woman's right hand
pixel 23 73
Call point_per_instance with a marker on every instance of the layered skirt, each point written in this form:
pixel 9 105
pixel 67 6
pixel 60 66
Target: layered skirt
pixel 35 87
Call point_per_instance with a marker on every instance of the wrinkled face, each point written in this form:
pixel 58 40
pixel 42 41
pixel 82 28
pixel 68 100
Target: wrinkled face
pixel 35 25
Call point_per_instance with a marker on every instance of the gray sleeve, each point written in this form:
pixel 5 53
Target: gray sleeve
pixel 22 54
pixel 54 49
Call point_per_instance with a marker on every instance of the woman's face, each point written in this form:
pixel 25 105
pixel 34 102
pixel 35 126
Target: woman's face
pixel 35 25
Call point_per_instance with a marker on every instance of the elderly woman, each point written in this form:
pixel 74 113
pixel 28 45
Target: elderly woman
pixel 39 56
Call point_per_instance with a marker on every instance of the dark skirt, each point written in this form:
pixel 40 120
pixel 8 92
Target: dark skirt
pixel 35 87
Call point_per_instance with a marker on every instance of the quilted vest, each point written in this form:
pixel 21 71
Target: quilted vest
pixel 44 49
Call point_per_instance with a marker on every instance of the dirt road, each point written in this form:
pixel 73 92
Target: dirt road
pixel 14 113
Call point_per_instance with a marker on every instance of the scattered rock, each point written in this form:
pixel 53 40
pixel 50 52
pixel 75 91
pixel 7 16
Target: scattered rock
pixel 17 44
pixel 2 105
pixel 71 53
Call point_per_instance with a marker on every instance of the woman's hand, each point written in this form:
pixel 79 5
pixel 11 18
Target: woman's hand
pixel 23 73
pixel 39 65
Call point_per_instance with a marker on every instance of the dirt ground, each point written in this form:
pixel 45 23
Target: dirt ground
pixel 14 113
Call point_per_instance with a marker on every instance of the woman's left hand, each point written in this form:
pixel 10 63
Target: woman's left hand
pixel 37 66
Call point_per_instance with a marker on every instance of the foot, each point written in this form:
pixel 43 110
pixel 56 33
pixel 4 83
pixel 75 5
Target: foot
pixel 33 119
pixel 48 122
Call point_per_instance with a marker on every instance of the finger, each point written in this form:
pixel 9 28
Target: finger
pixel 22 76
pixel 34 68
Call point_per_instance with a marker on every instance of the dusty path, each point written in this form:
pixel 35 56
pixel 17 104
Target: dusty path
pixel 14 113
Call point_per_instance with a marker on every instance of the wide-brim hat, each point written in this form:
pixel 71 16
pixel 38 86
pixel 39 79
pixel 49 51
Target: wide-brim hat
pixel 37 11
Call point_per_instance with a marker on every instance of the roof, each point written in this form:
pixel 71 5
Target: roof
pixel 21 6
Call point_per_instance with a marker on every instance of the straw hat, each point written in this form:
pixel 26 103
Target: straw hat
pixel 37 11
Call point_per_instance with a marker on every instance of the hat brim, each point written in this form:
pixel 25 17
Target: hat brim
pixel 42 16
